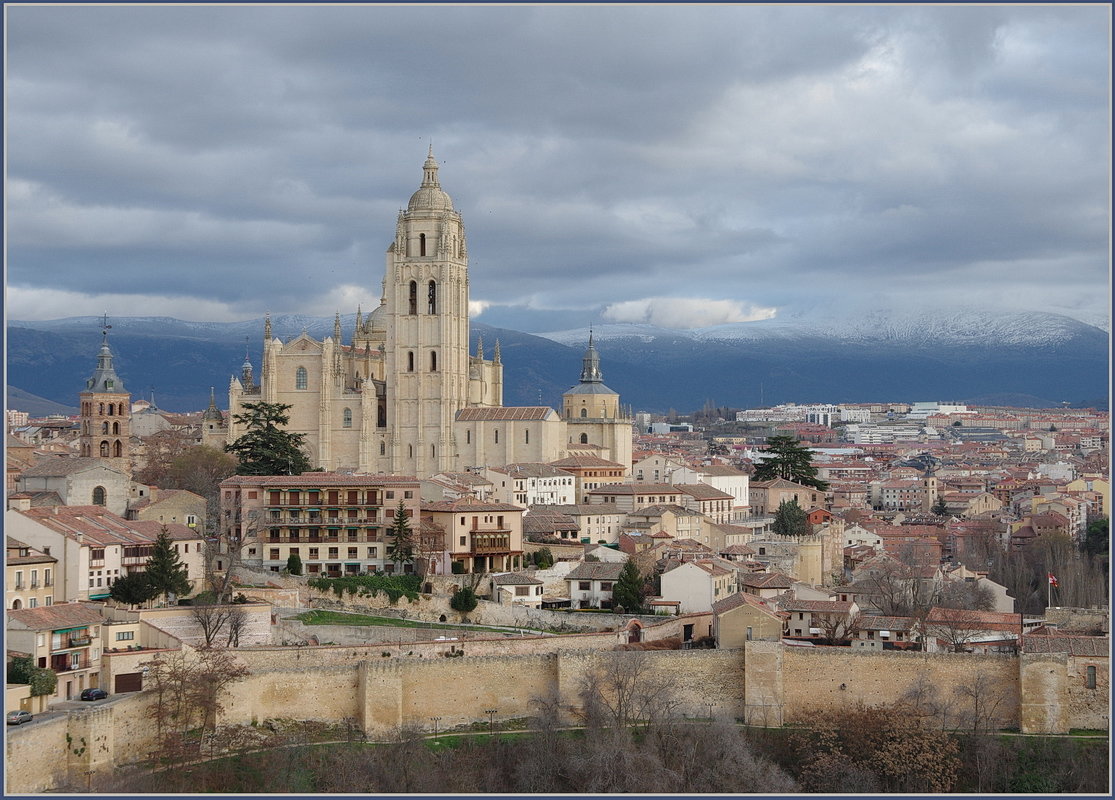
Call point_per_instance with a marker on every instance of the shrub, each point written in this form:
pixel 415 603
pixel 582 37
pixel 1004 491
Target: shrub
pixel 463 600
pixel 395 586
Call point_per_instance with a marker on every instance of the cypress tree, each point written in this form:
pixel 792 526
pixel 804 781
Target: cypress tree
pixel 401 547
pixel 629 590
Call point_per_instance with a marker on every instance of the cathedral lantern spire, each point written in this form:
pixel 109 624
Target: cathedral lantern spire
pixel 590 372
pixel 480 347
pixel 267 327
pixel 337 328
pixel 246 377
pixel 496 357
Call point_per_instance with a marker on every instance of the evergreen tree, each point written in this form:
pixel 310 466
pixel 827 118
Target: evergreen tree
pixel 294 564
pixel 791 520
pixel 785 457
pixel 543 558
pixel 629 590
pixel 165 571
pixel 132 589
pixel 267 449
pixel 400 548
pixel 463 600
pixel 940 508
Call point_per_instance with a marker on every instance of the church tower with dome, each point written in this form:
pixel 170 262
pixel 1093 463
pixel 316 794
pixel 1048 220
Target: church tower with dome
pixel 405 396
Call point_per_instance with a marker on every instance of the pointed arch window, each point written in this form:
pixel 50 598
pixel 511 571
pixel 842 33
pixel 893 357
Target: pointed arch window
pixel 104 427
pixel 117 449
pixel 101 408
pixel 584 438
pixel 104 450
pixel 431 297
pixel 116 428
pixel 433 361
pixel 99 496
pixel 301 378
pixel 111 409
pixel 584 413
pixel 346 418
pixel 413 300
pixel 410 361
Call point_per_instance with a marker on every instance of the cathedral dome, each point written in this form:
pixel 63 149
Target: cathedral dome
pixel 378 318
pixel 430 196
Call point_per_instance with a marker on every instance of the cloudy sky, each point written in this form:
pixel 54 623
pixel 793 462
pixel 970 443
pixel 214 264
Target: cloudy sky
pixel 681 165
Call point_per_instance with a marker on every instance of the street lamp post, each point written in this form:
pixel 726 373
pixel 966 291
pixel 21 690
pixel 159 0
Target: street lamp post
pixel 491 712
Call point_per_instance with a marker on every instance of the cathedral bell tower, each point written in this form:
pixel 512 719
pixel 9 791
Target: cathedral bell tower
pixel 426 310
pixel 106 409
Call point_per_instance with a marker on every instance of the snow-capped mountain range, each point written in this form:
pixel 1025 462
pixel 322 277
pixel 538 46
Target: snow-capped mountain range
pixel 962 326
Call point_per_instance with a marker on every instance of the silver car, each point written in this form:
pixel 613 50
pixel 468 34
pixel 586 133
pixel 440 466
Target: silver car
pixel 19 717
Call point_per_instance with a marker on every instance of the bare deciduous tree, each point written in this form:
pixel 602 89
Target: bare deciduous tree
pixel 211 617
pixel 623 690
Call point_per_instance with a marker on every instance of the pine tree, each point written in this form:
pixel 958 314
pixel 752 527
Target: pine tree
pixel 629 590
pixel 401 547
pixel 267 449
pixel 791 520
pixel 940 508
pixel 786 458
pixel 165 571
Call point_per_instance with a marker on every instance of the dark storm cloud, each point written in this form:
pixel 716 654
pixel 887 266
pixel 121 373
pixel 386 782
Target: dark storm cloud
pixel 239 159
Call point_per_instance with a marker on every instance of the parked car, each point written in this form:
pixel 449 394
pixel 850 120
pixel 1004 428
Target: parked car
pixel 19 717
pixel 94 694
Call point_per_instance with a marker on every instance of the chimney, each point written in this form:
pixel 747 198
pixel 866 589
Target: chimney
pixel 19 502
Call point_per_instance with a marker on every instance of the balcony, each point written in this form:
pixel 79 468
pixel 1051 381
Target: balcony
pixel 491 542
pixel 79 641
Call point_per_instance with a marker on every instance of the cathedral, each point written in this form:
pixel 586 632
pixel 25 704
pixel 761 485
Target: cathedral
pixel 405 396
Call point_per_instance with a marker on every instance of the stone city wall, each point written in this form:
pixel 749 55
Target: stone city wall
pixel 833 677
pixel 764 683
pixel 1094 621
pixel 1087 706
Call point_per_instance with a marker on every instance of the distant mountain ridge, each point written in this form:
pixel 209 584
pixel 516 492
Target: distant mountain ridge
pixel 819 356
pixel 958 326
